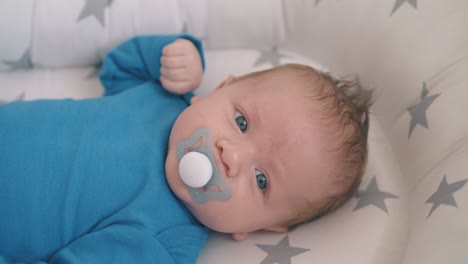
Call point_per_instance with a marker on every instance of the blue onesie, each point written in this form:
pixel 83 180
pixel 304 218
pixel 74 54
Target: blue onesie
pixel 83 181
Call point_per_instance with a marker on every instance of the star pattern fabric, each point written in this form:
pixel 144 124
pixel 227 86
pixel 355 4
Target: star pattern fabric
pixel 398 3
pixel 22 63
pixel 19 98
pixel 280 253
pixel 418 111
pixel 94 8
pixel 373 196
pixel 185 28
pixel 444 194
pixel 272 56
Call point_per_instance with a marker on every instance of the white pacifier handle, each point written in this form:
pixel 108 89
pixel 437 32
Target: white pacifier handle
pixel 195 169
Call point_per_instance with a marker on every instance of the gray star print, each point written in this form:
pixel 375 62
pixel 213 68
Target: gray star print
pixel 272 56
pixel 373 196
pixel 418 111
pixel 280 253
pixel 185 28
pixel 94 8
pixel 317 2
pixel 444 194
pixel 398 3
pixel 22 63
pixel 19 98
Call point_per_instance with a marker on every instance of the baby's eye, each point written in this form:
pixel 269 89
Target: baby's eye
pixel 261 180
pixel 241 122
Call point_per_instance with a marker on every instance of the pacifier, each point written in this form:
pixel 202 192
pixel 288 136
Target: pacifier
pixel 198 169
pixel 195 169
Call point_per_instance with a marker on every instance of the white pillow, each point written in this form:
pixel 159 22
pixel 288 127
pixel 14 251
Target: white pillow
pixel 262 23
pixel 68 33
pixel 221 63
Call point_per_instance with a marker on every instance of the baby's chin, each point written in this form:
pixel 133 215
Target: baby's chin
pixel 208 221
pixel 172 175
pixel 212 214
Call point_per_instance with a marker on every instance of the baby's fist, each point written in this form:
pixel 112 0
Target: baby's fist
pixel 181 67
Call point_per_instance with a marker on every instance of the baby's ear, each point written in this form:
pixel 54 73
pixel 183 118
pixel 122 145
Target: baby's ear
pixel 278 229
pixel 240 236
pixel 230 79
pixel 243 236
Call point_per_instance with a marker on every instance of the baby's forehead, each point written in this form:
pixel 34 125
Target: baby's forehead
pixel 284 77
pixel 295 137
pixel 305 178
pixel 287 87
pixel 283 109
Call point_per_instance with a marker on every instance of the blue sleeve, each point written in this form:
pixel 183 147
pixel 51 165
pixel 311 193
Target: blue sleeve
pixel 136 61
pixel 126 244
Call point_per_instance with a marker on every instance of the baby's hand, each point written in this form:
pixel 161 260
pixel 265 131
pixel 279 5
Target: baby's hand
pixel 181 67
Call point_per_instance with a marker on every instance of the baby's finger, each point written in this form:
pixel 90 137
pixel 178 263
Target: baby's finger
pixel 174 86
pixel 176 48
pixel 176 74
pixel 172 62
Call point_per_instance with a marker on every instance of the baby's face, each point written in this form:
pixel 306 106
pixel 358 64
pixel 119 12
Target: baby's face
pixel 269 148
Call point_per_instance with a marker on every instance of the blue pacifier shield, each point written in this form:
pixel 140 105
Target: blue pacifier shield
pixel 198 169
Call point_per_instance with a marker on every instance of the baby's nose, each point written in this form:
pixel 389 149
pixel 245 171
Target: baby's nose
pixel 229 157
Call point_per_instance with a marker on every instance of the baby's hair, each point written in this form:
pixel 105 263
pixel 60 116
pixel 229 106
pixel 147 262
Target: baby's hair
pixel 346 114
pixel 347 106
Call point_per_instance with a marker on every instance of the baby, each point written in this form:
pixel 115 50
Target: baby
pixel 101 180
